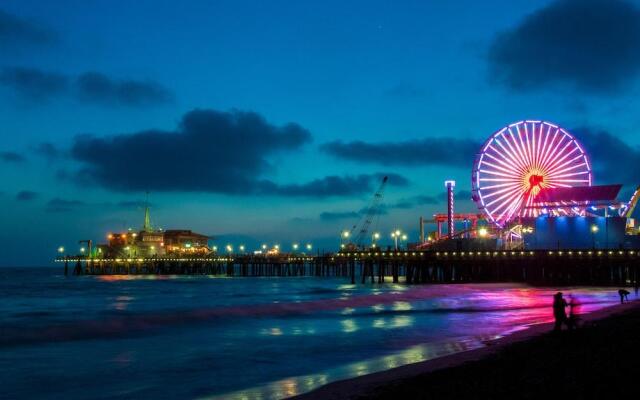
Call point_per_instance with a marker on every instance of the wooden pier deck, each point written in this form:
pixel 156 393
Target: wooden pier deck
pixel 576 267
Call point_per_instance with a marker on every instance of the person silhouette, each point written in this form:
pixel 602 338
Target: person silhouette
pixel 624 295
pixel 574 310
pixel 559 313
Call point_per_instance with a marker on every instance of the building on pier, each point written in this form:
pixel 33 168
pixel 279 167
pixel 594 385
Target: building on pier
pixel 182 241
pixel 152 242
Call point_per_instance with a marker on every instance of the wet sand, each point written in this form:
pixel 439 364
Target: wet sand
pixel 598 360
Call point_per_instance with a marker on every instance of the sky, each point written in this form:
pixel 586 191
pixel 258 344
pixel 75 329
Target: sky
pixel 274 122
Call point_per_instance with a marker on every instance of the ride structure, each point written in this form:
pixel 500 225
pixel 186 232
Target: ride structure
pixel 534 179
pixel 518 162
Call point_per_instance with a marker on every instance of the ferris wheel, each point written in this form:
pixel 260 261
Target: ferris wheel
pixel 521 159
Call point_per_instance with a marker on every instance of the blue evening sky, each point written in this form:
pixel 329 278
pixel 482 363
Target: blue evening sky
pixel 400 72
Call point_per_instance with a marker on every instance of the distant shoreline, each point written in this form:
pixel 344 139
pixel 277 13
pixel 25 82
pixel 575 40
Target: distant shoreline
pixel 408 380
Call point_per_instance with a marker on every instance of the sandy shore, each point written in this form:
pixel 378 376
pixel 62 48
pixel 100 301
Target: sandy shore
pixel 414 380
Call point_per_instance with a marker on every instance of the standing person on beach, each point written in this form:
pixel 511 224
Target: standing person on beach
pixel 574 310
pixel 559 313
pixel 624 295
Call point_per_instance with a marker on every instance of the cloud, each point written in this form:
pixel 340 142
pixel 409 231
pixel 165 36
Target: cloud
pixel 210 151
pixel 15 31
pixel 334 186
pixel 99 88
pixel 429 151
pixel 33 84
pixel 63 205
pixel 92 87
pixel 614 161
pixel 591 45
pixel 11 157
pixel 26 195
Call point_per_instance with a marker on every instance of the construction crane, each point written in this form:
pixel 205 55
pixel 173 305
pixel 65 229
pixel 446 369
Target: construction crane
pixel 360 231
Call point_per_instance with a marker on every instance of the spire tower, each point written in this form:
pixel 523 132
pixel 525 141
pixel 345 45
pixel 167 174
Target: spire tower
pixel 147 217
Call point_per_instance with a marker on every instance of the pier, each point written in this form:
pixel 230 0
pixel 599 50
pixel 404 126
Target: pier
pixel 558 267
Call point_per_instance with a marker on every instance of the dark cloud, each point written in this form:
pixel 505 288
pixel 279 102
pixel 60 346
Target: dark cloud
pixel 15 31
pixel 592 45
pixel 429 151
pixel 26 195
pixel 334 186
pixel 12 157
pixel 210 151
pixel 98 88
pixel 63 205
pixel 614 161
pixel 92 87
pixel 33 84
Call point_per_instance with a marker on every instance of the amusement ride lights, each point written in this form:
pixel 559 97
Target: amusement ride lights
pixel 520 160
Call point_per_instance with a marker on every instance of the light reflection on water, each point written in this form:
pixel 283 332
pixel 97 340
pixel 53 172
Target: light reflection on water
pixel 502 312
pixel 349 325
pixel 242 338
pixel 301 384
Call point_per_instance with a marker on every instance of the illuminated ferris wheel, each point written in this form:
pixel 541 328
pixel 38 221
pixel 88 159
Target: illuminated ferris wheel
pixel 520 160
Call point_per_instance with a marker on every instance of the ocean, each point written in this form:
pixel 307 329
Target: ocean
pixel 209 337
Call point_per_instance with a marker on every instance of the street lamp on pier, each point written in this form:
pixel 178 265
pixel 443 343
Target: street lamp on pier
pixel 395 235
pixel 344 235
pixel 594 230
pixel 374 239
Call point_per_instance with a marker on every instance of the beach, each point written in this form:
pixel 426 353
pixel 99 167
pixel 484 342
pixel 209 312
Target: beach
pixel 598 360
